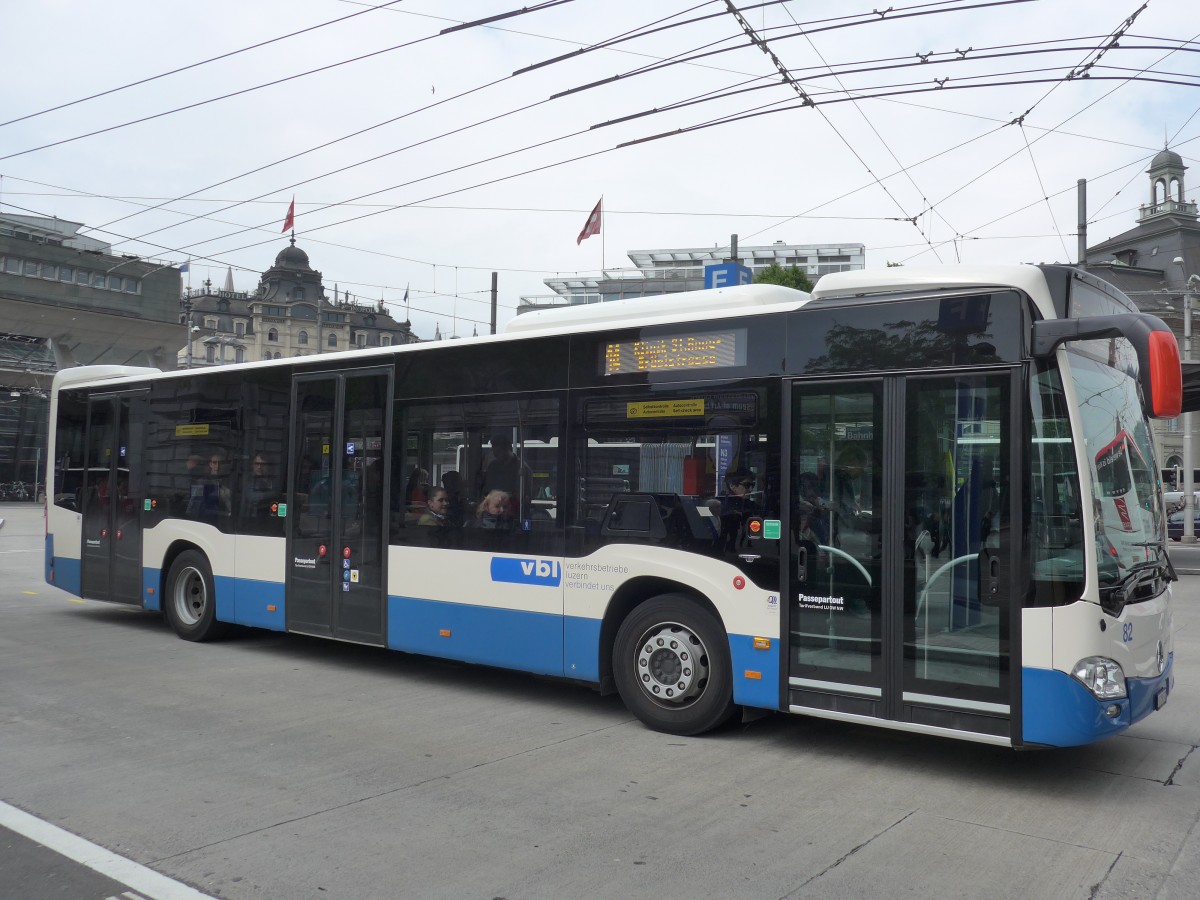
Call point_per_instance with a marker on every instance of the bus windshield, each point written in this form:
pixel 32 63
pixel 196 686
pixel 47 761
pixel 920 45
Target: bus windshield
pixel 1126 503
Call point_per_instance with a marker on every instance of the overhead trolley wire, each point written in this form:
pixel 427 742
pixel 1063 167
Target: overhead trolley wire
pixel 196 65
pixel 862 19
pixel 874 130
pixel 353 165
pixel 248 90
pixel 357 133
pixel 1042 187
pixel 601 45
pixel 1124 81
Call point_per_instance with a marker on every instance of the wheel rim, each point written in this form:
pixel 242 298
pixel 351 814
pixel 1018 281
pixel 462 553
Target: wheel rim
pixel 190 597
pixel 672 665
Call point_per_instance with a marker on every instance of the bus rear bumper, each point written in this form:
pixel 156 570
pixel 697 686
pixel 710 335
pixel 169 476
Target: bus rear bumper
pixel 1058 711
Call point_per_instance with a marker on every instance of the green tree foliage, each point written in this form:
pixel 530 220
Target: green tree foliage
pixel 791 277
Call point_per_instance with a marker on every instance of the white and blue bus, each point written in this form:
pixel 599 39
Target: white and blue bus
pixel 884 503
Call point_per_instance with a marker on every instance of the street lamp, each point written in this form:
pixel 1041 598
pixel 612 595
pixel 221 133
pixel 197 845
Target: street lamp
pixel 1189 505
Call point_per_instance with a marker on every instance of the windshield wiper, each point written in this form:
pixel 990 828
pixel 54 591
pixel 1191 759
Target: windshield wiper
pixel 1163 556
pixel 1114 598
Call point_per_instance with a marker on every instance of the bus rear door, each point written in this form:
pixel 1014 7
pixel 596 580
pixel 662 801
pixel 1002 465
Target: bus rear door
pixel 111 555
pixel 337 518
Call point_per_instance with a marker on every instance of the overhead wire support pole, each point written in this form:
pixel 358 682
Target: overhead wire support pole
pixel 495 275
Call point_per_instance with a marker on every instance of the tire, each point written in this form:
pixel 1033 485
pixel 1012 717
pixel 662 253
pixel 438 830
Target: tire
pixel 671 666
pixel 191 600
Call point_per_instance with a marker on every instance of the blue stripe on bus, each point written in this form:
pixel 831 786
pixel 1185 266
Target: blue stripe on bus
pixel 1059 711
pixel 252 599
pixel 582 637
pixel 152 589
pixel 761 691
pixel 68 575
pixel 512 639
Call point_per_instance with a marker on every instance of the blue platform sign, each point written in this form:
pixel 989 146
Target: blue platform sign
pixel 720 275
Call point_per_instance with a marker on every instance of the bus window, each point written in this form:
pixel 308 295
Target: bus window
pixel 688 469
pixel 68 463
pixel 505 450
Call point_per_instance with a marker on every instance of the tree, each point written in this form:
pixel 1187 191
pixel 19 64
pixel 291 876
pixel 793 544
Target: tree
pixel 791 277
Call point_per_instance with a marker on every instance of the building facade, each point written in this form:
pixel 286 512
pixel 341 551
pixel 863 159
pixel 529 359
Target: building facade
pixel 280 319
pixel 670 271
pixel 1152 262
pixel 66 299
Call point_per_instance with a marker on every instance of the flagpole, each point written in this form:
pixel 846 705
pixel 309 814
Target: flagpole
pixel 602 236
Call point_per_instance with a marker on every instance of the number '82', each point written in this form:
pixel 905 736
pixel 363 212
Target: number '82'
pixel 1127 632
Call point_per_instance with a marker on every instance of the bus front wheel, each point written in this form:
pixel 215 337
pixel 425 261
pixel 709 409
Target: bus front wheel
pixel 671 665
pixel 191 600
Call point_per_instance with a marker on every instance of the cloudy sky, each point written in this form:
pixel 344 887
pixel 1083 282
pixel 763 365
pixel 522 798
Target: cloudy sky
pixel 423 159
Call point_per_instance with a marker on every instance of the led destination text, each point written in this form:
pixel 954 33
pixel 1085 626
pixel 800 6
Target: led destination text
pixel 674 352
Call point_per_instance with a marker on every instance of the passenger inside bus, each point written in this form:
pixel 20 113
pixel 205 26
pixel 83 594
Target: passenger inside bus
pixel 263 489
pixel 737 505
pixel 494 511
pixel 505 471
pixel 436 509
pixel 416 492
pixel 452 485
pixel 211 495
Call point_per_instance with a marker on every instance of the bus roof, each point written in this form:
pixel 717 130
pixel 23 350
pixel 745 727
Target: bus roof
pixel 66 377
pixel 906 279
pixel 664 308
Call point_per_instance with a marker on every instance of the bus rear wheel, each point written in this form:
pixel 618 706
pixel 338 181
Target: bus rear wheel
pixel 671 665
pixel 191 601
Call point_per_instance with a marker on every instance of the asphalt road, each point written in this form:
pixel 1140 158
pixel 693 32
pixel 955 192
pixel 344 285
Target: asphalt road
pixel 275 766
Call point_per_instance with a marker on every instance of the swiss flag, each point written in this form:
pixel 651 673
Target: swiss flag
pixel 291 216
pixel 592 225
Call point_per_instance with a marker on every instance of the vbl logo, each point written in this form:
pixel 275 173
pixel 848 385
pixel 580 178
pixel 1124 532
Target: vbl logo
pixel 545 572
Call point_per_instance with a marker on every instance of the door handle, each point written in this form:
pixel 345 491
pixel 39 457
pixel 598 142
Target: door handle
pixel 802 565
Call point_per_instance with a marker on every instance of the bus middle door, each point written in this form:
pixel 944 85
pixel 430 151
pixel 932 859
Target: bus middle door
pixel 337 523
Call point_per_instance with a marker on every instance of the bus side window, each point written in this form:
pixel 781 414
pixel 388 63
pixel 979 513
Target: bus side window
pixel 471 449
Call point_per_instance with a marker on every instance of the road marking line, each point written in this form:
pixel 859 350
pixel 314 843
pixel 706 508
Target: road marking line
pixel 153 885
pixel 30 593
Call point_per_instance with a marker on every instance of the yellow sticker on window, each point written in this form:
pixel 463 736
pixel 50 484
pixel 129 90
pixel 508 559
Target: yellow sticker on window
pixel 191 430
pixel 664 409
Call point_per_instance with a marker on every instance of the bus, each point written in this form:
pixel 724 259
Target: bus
pixel 885 502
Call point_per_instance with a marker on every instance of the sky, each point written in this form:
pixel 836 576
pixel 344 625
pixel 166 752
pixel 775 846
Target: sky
pixel 421 160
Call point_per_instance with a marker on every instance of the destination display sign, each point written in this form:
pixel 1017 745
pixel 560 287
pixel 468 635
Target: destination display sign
pixel 676 352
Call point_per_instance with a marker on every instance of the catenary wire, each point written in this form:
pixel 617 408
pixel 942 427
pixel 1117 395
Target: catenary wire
pixel 196 65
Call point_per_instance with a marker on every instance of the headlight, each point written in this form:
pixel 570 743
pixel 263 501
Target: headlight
pixel 1103 677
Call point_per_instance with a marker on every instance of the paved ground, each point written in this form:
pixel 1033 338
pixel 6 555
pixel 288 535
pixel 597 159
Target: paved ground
pixel 274 766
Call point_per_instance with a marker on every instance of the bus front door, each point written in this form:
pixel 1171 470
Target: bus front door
pixel 337 519
pixel 111 555
pixel 901 551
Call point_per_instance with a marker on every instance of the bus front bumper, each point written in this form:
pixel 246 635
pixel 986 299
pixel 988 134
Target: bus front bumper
pixel 1058 711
